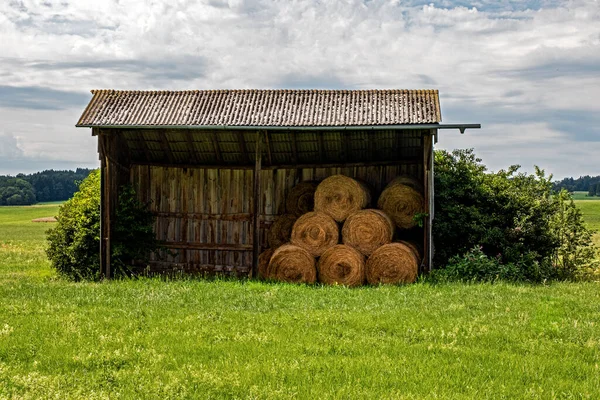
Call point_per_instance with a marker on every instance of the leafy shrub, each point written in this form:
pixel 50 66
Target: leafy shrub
pixel 475 265
pixel 515 219
pixel 73 245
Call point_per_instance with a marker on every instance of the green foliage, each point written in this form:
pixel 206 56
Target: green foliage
pixel 581 184
pixel 73 245
pixel 514 217
pixel 133 236
pixel 476 266
pixel 16 192
pixel 575 255
pixel 42 186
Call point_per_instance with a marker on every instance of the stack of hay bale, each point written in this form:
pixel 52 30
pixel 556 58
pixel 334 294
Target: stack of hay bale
pixel 306 245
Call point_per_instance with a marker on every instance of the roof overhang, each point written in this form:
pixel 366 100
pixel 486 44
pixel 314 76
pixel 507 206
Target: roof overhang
pixel 460 127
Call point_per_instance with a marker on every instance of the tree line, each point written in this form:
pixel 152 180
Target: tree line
pixel 48 185
pixel 590 184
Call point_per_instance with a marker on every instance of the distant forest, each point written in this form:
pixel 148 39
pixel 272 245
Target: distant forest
pixel 590 184
pixel 49 185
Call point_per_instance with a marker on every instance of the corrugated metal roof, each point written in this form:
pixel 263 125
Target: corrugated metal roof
pixel 261 108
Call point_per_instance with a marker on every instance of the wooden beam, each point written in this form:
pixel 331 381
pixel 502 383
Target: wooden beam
pixel 207 246
pixel 242 145
pixel 145 148
pixel 106 207
pixel 427 138
pixel 269 147
pixel 191 147
pixel 215 143
pixel 256 206
pixel 200 216
pixel 286 166
pixel 345 137
pixel 164 143
pixel 294 147
pixel 321 146
pixel 371 146
pixel 102 248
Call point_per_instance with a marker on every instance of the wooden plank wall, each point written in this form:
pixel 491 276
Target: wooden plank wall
pixel 205 215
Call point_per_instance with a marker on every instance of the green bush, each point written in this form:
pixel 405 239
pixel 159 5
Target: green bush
pixel 476 266
pixel 73 245
pixel 515 219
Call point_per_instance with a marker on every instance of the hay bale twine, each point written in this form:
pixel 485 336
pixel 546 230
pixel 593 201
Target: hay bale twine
pixel 315 232
pixel 401 202
pixel 301 198
pixel 339 196
pixel 280 230
pixel 367 230
pixel 391 264
pixel 263 263
pixel 341 265
pixel 292 264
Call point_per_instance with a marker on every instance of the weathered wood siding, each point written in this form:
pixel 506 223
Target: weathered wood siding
pixel 204 216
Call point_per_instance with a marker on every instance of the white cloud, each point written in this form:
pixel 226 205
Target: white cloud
pixel 498 62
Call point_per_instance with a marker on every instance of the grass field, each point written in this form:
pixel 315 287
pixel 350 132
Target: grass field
pixel 591 214
pixel 584 196
pixel 225 339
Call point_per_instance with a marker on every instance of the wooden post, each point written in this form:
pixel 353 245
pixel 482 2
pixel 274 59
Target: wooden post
pixel 428 188
pixel 256 206
pixel 102 248
pixel 105 206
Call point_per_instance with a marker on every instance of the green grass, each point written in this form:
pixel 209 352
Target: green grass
pixel 226 339
pixel 591 215
pixel 584 196
pixel 22 241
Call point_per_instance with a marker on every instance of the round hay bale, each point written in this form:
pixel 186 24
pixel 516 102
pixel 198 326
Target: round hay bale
pixel 401 202
pixel 293 264
pixel 391 264
pixel 409 181
pixel 301 198
pixel 315 232
pixel 280 230
pixel 416 249
pixel 341 265
pixel 367 230
pixel 339 196
pixel 263 263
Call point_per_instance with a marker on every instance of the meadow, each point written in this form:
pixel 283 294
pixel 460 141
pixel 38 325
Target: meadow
pixel 153 338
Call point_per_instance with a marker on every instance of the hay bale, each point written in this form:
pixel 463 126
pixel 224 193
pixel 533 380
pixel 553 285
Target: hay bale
pixel 367 230
pixel 293 264
pixel 263 263
pixel 339 196
pixel 392 263
pixel 280 230
pixel 315 232
pixel 416 249
pixel 341 265
pixel 45 219
pixel 301 198
pixel 409 181
pixel 401 202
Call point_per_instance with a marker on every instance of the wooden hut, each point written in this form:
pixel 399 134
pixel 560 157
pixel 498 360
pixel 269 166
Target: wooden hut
pixel 216 165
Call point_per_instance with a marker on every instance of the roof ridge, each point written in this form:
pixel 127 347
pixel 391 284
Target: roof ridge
pixel 164 91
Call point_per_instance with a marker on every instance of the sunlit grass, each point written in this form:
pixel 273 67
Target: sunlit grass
pixel 161 339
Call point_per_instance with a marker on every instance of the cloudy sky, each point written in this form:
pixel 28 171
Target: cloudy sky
pixel 528 71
